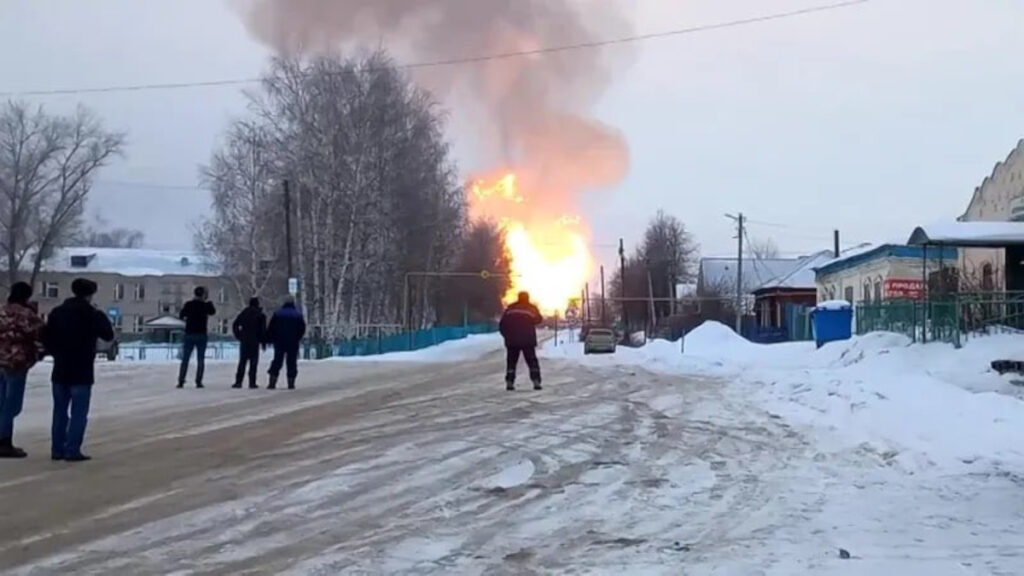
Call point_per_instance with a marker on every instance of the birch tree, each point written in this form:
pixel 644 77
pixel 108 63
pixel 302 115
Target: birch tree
pixel 47 165
pixel 375 195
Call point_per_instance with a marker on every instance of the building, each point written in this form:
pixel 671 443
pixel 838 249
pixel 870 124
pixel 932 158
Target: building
pixel 716 277
pixel 999 198
pixel 777 302
pixel 873 273
pixel 137 285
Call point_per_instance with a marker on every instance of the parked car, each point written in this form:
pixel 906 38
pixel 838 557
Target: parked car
pixel 599 341
pixel 108 350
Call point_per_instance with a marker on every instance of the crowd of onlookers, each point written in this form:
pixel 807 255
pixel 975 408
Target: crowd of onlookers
pixel 70 335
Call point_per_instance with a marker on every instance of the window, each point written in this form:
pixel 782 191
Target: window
pixel 166 309
pixel 140 324
pixel 51 290
pixel 878 290
pixel 118 291
pixel 848 294
pixel 117 322
pixel 140 292
pixel 222 295
pixel 225 326
pixel 987 277
pixel 866 292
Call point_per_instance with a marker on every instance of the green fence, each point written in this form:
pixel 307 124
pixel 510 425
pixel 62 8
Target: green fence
pixel 404 342
pixel 952 319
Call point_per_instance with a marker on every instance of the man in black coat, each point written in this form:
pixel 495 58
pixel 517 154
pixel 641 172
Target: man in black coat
pixel 196 314
pixel 519 328
pixel 250 328
pixel 286 330
pixel 70 337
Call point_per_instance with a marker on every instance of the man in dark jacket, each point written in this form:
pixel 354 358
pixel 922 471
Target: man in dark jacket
pixel 70 337
pixel 21 333
pixel 196 314
pixel 519 328
pixel 285 332
pixel 250 329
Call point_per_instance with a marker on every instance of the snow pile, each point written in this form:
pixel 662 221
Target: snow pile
pixel 469 348
pixel 916 406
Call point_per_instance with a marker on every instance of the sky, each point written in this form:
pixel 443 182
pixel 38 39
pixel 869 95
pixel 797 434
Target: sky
pixel 870 120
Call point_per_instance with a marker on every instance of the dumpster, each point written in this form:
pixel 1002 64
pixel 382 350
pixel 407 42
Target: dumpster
pixel 832 321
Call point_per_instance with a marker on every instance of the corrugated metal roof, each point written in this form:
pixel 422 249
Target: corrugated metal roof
pixel 803 276
pixel 720 273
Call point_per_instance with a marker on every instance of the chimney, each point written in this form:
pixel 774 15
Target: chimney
pixel 835 241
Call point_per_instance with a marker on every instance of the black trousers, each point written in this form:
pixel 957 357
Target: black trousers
pixel 248 355
pixel 512 360
pixel 285 356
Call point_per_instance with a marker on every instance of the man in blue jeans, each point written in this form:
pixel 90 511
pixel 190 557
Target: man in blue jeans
pixel 21 331
pixel 72 330
pixel 196 314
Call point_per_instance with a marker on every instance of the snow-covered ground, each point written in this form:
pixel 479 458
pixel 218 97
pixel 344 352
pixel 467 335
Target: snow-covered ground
pixel 942 432
pixel 727 459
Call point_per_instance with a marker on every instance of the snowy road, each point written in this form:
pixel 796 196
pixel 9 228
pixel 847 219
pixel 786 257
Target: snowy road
pixel 396 469
pixel 408 468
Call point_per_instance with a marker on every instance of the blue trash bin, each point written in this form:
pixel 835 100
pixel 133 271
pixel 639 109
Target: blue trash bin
pixel 832 321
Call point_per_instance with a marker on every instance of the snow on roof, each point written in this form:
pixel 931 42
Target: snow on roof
pixel 981 234
pixel 865 252
pixel 803 276
pixel 129 262
pixel 167 322
pixel 720 273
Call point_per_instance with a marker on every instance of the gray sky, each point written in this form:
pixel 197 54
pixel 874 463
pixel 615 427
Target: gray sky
pixel 870 119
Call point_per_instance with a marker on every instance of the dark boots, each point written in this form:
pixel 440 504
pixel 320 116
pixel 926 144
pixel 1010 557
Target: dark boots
pixel 273 383
pixel 9 450
pixel 291 383
pixel 237 384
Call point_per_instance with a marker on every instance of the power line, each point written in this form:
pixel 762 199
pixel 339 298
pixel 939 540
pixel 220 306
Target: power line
pixel 468 60
pixel 156 185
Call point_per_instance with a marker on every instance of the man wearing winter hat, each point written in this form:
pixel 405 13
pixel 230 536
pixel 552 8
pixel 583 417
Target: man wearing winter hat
pixel 21 331
pixel 70 337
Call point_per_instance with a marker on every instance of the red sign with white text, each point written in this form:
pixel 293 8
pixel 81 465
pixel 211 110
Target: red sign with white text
pixel 906 289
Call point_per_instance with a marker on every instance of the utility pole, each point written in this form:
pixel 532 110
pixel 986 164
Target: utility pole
pixel 622 288
pixel 288 229
pixel 604 320
pixel 739 270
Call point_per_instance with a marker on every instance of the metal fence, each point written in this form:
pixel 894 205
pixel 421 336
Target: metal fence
pixel 405 342
pixel 952 319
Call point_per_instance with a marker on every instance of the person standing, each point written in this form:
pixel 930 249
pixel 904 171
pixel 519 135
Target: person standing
pixel 21 331
pixel 70 336
pixel 196 314
pixel 519 329
pixel 286 330
pixel 250 329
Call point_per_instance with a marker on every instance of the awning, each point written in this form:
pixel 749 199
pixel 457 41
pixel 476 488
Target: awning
pixel 970 234
pixel 166 323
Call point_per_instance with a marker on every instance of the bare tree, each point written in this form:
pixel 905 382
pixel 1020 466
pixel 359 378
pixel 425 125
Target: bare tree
pixel 47 164
pixel 762 248
pixel 99 234
pixel 374 197
pixel 665 258
pixel 245 234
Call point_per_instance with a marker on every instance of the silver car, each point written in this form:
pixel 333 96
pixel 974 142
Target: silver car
pixel 599 341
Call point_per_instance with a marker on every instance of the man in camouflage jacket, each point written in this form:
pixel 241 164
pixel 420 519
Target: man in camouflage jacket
pixel 21 332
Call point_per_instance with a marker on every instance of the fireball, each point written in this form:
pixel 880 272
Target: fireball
pixel 549 257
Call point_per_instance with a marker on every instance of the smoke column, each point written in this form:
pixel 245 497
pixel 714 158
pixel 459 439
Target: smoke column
pixel 530 112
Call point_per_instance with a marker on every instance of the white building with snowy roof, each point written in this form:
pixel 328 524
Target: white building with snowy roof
pixel 137 285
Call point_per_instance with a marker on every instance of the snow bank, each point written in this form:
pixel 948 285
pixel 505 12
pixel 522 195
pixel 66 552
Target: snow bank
pixel 917 406
pixel 469 348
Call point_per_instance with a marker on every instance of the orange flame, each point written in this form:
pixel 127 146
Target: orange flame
pixel 549 257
